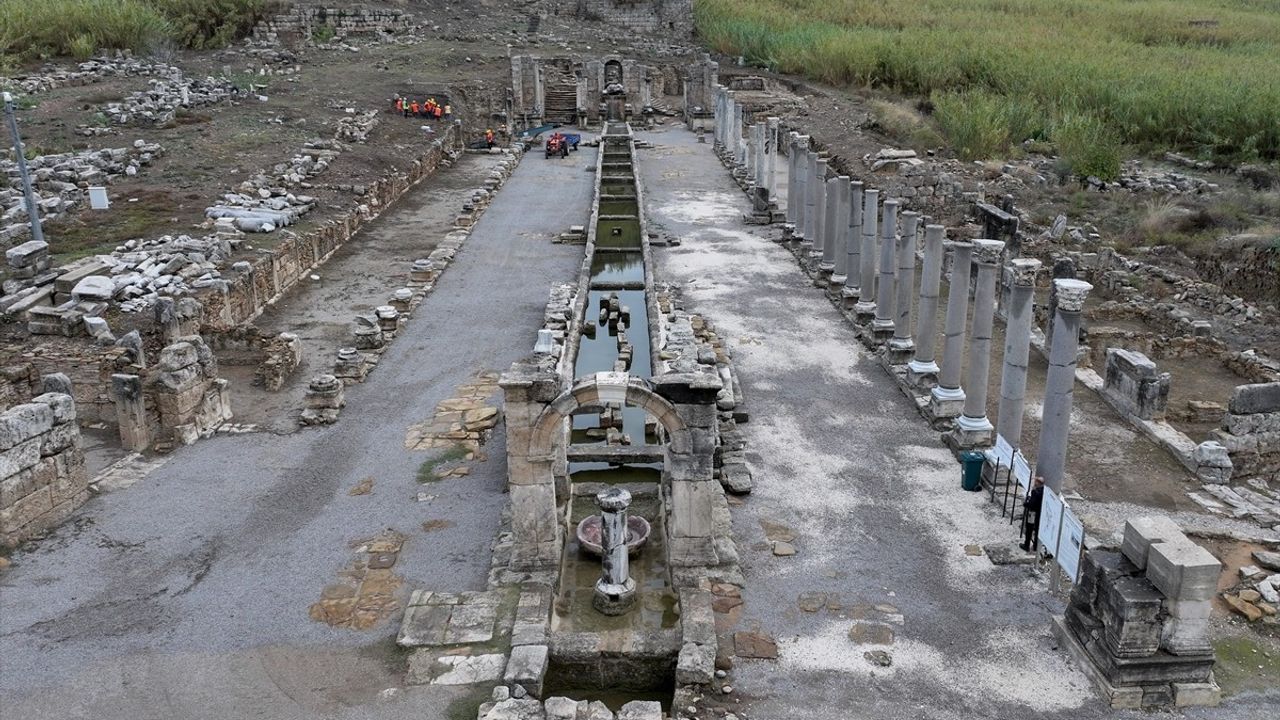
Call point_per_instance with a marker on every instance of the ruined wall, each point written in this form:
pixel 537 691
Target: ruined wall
pixel 88 365
pixel 273 274
pixel 300 22
pixel 1248 269
pixel 42 472
pixel 648 16
pixel 1251 431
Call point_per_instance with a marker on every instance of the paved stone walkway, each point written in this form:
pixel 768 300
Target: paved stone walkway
pixel 849 476
pixel 186 594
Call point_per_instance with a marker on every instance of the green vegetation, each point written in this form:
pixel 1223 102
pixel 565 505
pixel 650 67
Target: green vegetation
pixel 1090 76
pixel 81 28
pixel 427 470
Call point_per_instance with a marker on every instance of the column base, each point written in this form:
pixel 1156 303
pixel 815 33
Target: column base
pixel 864 310
pixel 945 405
pixel 835 286
pixel 849 297
pixel 612 598
pixel 970 433
pixel 882 329
pixel 898 351
pixel 922 376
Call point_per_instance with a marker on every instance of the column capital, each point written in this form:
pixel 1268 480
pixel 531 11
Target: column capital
pixel 1071 294
pixel 1023 271
pixel 987 252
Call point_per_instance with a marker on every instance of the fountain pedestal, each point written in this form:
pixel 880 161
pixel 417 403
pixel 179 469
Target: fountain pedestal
pixel 615 591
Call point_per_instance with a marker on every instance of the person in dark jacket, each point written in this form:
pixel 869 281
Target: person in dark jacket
pixel 1031 514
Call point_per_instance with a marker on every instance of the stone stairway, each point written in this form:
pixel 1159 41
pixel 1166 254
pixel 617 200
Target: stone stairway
pixel 561 97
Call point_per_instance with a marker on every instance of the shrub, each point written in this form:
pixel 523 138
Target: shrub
pixel 977 123
pixel 77 28
pixel 32 29
pixel 1087 146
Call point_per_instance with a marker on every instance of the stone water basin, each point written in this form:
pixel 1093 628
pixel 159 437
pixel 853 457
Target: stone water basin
pixel 589 534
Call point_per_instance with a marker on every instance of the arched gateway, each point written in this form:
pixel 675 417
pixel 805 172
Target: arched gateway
pixel 537 428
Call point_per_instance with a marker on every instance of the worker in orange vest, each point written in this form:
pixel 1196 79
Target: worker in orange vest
pixel 399 104
pixel 414 107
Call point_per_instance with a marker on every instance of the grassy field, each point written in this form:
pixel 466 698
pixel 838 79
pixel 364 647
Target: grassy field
pixel 1097 78
pixel 32 29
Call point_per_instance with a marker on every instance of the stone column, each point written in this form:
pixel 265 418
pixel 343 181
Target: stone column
pixel 840 236
pixel 799 177
pixel 922 371
pixel 761 160
pixel 740 143
pixel 830 205
pixel 819 210
pixel 615 591
pixel 810 196
pixel 853 246
pixel 882 327
pixel 131 411
pixel 792 142
pixel 866 306
pixel 973 429
pixel 771 161
pixel 1055 424
pixel 901 345
pixel 1017 345
pixel 720 123
pixel 947 399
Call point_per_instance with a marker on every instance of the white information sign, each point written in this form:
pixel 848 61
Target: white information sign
pixel 1070 544
pixel 1050 520
pixel 1004 451
pixel 1022 471
pixel 98 198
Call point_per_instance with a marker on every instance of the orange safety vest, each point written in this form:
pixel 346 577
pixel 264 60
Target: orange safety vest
pixel 414 107
pixel 399 104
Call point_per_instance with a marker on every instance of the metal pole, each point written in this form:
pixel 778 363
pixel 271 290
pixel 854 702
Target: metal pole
pixel 36 232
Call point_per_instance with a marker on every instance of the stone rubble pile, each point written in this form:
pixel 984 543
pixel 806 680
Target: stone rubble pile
pixel 159 103
pixel 504 705
pixel 265 203
pixel 1258 595
pixel 52 77
pixel 61 181
pixel 356 128
pixel 140 271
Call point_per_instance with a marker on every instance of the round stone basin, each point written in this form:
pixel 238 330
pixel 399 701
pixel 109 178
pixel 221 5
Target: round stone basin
pixel 589 534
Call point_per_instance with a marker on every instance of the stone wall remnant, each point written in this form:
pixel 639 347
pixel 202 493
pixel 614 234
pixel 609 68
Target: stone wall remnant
pixel 1138 619
pixel 1135 385
pixel 42 471
pixel 1251 431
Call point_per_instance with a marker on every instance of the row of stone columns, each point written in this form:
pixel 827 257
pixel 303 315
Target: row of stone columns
pixel 853 242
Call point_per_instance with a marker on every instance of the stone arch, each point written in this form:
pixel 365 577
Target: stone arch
pixel 601 388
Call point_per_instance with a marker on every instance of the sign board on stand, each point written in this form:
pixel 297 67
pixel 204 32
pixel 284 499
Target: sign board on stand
pixel 1022 471
pixel 1003 451
pixel 98 198
pixel 1050 520
pixel 1070 544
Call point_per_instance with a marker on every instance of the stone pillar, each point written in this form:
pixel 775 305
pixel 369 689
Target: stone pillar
pixel 866 306
pixel 528 387
pixel 819 213
pixel 1017 345
pixel 853 246
pixel 973 429
pixel 771 162
pixel 719 119
pixel 131 411
pixel 901 345
pixel 761 161
pixel 922 371
pixel 830 207
pixel 840 237
pixel 947 399
pixel 810 170
pixel 739 141
pixel 882 327
pixel 1055 424
pixel 615 591
pixel 793 181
